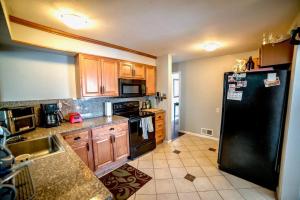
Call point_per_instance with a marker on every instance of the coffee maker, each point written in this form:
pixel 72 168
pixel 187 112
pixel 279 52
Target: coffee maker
pixel 50 115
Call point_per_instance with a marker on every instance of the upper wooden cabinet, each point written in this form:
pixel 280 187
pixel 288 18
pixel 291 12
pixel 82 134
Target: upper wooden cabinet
pixel 96 76
pixel 150 80
pixel 129 70
pixel 109 71
pixel 276 54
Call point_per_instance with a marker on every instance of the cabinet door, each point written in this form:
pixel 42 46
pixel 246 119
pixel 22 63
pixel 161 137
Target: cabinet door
pixel 109 69
pixel 80 143
pixel 121 145
pixel 82 151
pixel 150 80
pixel 90 75
pixel 139 71
pixel 103 150
pixel 125 69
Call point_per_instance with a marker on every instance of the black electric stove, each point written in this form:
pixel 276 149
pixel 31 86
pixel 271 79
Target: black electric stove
pixel 138 144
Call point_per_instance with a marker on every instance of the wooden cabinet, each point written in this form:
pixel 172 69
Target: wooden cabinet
pixel 159 126
pixel 96 76
pixel 110 144
pixel 103 150
pixel 121 144
pixel 125 69
pixel 150 80
pixel 129 70
pixel 88 75
pixel 276 54
pixel 79 141
pixel 109 71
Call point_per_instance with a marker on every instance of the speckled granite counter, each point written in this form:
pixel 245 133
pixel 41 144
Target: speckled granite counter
pixel 64 175
pixel 154 110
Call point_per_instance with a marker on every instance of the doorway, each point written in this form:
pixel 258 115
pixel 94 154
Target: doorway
pixel 176 105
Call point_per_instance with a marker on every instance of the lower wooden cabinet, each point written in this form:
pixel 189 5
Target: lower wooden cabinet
pixel 100 147
pixel 80 143
pixel 159 127
pixel 103 150
pixel 110 144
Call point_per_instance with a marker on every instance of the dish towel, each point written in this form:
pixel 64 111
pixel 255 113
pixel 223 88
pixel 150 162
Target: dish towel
pixel 147 126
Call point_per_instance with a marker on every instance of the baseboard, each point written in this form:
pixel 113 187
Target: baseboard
pixel 199 135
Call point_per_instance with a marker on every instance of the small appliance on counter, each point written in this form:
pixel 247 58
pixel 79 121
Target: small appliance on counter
pixel 50 115
pixel 75 118
pixel 18 119
pixel 108 109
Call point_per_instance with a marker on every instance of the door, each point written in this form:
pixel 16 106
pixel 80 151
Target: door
pixel 125 69
pixel 138 71
pixel 121 145
pixel 82 150
pixel 252 127
pixel 103 150
pixel 109 69
pixel 150 80
pixel 90 75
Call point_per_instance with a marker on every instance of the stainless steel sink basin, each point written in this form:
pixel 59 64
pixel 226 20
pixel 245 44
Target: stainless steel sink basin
pixel 36 148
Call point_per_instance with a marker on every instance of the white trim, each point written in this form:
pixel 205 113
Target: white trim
pixel 199 135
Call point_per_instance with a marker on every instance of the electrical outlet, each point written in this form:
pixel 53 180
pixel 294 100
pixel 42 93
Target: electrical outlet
pixel 217 110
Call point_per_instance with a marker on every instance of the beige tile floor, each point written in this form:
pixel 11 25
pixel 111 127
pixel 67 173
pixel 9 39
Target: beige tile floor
pixel 168 170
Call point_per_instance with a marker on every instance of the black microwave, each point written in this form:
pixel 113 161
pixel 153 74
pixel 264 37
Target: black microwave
pixel 132 88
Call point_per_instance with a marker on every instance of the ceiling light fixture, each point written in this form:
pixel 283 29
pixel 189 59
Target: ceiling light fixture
pixel 210 46
pixel 74 21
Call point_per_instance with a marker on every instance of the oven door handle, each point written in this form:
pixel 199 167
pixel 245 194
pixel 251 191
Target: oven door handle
pixel 134 120
pixel 23 117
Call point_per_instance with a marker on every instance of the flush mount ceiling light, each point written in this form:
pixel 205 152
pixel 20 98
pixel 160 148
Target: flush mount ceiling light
pixel 74 21
pixel 210 46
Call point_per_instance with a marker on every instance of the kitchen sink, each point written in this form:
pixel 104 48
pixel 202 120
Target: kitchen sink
pixel 36 148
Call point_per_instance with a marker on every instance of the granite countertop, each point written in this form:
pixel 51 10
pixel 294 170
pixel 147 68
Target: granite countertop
pixel 154 110
pixel 64 175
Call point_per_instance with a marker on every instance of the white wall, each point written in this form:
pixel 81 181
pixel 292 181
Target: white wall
pixel 52 41
pixel 289 183
pixel 164 85
pixel 202 91
pixel 26 74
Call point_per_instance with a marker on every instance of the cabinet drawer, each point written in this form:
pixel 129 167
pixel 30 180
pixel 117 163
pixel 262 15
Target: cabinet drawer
pixel 110 129
pixel 159 125
pixel 77 138
pixel 159 116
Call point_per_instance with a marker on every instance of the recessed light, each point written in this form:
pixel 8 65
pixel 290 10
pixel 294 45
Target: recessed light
pixel 74 21
pixel 210 46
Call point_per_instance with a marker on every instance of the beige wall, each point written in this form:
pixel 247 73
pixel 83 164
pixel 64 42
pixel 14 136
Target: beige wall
pixel 202 91
pixel 27 74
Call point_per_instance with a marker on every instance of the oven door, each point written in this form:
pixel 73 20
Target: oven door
pixel 139 145
pixel 132 88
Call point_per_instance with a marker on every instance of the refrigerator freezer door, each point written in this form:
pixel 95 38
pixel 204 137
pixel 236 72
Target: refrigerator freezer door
pixel 252 127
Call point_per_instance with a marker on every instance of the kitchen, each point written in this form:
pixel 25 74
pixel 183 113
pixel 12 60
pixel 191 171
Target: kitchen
pixel 111 93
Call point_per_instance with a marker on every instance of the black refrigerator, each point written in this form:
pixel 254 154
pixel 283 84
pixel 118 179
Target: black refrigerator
pixel 252 125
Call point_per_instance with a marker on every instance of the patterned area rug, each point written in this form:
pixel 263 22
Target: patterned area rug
pixel 124 181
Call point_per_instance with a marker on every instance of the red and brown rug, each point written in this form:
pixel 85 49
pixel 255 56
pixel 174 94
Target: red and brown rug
pixel 124 181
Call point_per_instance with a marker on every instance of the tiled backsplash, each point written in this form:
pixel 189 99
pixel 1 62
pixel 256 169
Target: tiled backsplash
pixel 88 108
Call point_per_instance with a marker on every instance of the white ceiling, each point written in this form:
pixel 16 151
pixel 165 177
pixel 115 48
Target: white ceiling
pixel 159 27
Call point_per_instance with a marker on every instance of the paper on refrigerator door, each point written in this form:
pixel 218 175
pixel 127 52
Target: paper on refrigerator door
pixel 235 95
